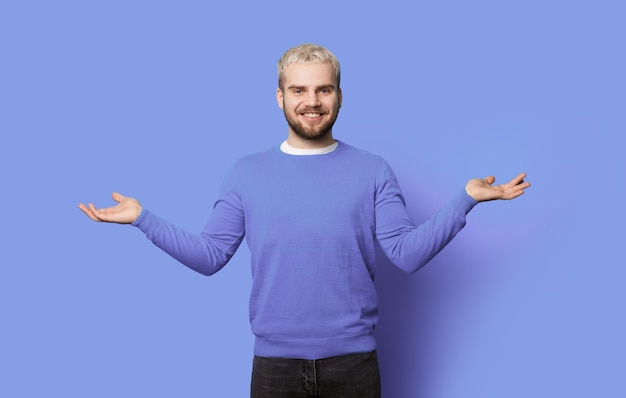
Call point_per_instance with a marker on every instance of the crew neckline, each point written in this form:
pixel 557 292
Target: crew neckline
pixel 288 149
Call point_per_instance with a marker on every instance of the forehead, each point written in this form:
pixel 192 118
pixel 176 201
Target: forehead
pixel 309 75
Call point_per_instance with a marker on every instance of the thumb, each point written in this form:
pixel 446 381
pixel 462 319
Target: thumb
pixel 117 197
pixel 490 180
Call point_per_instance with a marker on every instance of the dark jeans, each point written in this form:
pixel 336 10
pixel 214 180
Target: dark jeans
pixel 354 375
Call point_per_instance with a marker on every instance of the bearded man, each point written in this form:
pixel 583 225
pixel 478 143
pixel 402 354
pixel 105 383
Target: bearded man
pixel 311 210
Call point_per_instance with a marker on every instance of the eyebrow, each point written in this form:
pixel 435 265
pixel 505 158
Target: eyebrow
pixel 295 86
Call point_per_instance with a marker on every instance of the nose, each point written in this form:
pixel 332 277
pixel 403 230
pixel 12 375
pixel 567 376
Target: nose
pixel 312 99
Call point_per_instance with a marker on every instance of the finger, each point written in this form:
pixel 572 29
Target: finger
pixel 516 190
pixel 519 184
pixel 516 182
pixel 513 195
pixel 88 212
pixel 519 178
pixel 99 216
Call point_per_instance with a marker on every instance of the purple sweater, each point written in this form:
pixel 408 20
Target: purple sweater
pixel 311 223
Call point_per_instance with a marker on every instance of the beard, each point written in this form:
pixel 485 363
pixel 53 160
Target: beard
pixel 311 133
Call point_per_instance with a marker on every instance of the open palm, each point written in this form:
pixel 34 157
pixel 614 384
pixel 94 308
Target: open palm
pixel 125 212
pixel 483 189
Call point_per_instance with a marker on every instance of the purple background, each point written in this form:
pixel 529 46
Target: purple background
pixel 157 99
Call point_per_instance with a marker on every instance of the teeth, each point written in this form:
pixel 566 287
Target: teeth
pixel 312 114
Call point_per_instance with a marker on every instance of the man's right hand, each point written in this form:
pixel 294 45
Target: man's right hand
pixel 125 212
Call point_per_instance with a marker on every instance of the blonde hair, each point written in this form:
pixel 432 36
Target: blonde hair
pixel 307 54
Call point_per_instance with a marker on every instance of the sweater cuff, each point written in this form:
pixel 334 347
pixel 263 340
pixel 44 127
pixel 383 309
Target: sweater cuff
pixel 465 201
pixel 146 221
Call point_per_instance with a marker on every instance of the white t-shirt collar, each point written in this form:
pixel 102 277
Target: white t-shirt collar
pixel 288 149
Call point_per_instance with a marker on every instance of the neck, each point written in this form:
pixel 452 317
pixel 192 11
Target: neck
pixel 298 142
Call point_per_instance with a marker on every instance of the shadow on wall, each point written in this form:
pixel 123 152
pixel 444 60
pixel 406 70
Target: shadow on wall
pixel 422 315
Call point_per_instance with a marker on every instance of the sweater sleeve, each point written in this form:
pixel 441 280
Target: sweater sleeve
pixel 210 250
pixel 407 245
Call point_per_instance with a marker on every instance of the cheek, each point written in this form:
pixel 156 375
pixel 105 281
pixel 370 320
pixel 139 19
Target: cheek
pixel 288 105
pixel 333 104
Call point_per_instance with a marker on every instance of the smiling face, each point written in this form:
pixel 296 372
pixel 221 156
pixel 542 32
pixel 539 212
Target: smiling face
pixel 310 99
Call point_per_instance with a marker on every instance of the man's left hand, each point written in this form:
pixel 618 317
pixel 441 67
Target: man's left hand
pixel 483 190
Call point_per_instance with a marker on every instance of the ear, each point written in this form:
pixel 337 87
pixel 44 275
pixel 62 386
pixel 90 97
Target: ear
pixel 279 97
pixel 340 98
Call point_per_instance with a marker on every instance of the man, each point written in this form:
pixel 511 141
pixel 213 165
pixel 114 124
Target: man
pixel 311 210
